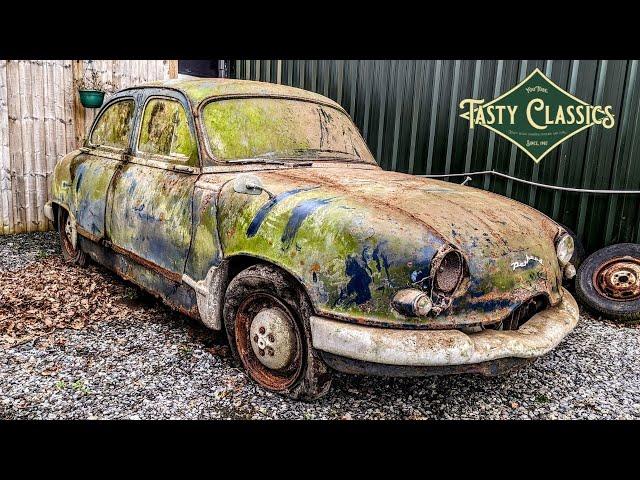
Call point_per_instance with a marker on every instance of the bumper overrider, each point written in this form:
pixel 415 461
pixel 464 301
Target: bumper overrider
pixel 356 348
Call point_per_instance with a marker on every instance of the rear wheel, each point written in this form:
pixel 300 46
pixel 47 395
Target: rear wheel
pixel 267 321
pixel 70 253
pixel 608 281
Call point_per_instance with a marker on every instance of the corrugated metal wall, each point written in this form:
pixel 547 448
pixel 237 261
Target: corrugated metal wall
pixel 408 113
pixel 41 119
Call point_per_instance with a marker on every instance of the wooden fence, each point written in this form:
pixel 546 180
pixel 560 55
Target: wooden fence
pixel 41 119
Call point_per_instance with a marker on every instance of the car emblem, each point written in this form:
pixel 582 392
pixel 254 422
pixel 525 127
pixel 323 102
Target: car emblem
pixel 526 261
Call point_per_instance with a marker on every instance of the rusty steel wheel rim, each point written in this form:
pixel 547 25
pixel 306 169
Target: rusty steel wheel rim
pixel 66 237
pixel 618 279
pixel 269 341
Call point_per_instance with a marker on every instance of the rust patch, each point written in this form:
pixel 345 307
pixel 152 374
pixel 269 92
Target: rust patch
pixel 174 277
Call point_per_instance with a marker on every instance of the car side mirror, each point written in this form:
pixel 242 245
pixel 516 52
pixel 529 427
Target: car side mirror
pixel 248 184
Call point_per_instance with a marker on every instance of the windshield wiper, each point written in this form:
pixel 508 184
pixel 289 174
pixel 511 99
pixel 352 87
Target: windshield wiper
pixel 248 161
pixel 323 150
pixel 266 161
pixel 315 151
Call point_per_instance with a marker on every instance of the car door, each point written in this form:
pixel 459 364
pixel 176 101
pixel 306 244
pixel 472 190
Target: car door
pixel 151 198
pixel 93 169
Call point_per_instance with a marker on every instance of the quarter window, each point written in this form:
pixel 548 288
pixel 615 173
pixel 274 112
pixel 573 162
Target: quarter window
pixel 114 125
pixel 165 131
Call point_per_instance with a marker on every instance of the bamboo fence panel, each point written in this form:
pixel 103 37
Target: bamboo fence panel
pixel 6 210
pixel 41 119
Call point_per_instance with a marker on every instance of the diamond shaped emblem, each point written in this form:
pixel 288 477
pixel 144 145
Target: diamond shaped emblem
pixel 536 115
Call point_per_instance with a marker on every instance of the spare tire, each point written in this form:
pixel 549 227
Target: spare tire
pixel 608 282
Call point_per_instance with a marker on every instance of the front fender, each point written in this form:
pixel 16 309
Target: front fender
pixel 350 259
pixel 61 185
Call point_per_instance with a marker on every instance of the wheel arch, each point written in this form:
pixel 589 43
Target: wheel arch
pixel 306 375
pixel 211 291
pixel 56 206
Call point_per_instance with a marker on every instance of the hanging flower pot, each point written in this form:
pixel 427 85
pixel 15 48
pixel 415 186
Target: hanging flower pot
pixel 91 98
pixel 91 88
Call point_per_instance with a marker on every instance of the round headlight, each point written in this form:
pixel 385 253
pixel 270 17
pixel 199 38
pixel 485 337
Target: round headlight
pixel 412 302
pixel 564 249
pixel 448 273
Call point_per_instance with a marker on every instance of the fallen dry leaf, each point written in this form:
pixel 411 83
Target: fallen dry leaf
pixel 53 294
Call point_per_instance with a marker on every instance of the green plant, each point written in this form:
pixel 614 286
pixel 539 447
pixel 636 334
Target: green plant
pixel 91 80
pixel 185 351
pixel 79 386
pixel 130 293
pixel 542 398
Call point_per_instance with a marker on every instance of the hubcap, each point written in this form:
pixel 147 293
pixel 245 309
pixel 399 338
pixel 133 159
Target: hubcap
pixel 269 341
pixel 68 240
pixel 273 338
pixel 619 279
pixel 68 228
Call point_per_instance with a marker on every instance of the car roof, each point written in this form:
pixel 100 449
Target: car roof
pixel 201 89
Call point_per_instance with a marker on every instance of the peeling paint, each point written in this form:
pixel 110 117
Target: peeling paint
pixel 351 233
pixel 299 213
pixel 267 207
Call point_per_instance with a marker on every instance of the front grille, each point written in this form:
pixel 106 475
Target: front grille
pixel 521 314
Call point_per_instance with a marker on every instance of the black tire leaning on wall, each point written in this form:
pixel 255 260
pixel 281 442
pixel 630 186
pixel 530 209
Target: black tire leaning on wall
pixel 265 285
pixel 607 282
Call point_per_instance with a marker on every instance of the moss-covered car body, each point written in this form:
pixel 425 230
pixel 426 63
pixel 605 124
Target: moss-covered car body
pixel 352 234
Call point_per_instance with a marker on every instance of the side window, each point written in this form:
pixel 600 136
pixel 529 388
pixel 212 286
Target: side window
pixel 165 131
pixel 114 125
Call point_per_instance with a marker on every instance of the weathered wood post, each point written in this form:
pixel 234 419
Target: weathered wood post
pixel 78 109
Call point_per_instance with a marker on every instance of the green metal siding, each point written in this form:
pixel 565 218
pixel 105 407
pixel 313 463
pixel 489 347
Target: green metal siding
pixel 408 113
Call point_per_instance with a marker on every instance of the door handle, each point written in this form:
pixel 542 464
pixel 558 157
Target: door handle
pixel 183 168
pixel 126 155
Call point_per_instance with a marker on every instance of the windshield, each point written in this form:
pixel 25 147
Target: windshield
pixel 276 128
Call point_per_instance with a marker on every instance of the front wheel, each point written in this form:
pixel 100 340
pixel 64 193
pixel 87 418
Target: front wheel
pixel 266 317
pixel 70 253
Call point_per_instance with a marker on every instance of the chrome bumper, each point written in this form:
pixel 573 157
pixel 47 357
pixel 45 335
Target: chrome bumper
pixel 48 211
pixel 435 348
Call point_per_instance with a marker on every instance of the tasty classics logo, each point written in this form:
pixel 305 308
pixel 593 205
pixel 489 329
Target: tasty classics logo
pixel 537 115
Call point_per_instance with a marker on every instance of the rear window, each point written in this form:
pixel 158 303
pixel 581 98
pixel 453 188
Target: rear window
pixel 114 125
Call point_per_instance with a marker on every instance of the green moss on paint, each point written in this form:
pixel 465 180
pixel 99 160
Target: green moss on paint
pixel 247 127
pixel 205 249
pixel 244 128
pixel 152 215
pixel 114 126
pixel 320 249
pixel 201 89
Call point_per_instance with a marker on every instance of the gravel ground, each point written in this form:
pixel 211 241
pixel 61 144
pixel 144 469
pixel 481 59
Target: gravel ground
pixel 144 361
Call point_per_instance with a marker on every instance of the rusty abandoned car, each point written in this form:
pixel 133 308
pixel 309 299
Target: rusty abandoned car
pixel 258 208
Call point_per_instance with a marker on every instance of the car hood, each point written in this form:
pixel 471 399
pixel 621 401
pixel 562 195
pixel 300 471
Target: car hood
pixel 508 247
pixel 476 221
